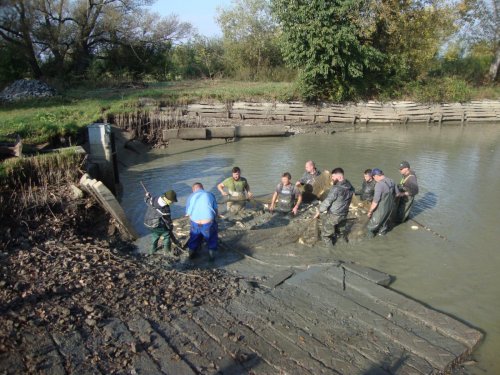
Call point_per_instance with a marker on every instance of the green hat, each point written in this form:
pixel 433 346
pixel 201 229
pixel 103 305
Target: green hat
pixel 171 196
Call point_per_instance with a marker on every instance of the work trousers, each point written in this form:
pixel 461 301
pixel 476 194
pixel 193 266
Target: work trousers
pixel 332 226
pixel 404 205
pixel 198 232
pixel 156 233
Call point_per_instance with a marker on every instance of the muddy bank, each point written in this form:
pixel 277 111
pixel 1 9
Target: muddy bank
pixel 68 280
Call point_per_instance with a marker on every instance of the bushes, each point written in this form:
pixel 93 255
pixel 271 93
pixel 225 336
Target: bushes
pixel 439 90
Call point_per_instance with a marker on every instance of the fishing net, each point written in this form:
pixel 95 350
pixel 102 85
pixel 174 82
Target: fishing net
pixel 254 228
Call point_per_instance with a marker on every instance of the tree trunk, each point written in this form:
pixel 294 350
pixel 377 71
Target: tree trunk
pixel 28 42
pixel 493 73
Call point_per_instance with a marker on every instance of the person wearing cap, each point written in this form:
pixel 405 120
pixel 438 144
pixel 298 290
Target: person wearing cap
pixel 237 189
pixel 335 207
pixel 367 187
pixel 158 219
pixel 201 207
pixel 407 189
pixel 382 204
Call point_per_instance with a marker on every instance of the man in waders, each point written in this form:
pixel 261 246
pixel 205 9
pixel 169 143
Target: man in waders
pixel 238 190
pixel 407 189
pixel 307 181
pixel 158 219
pixel 367 187
pixel 335 207
pixel 286 197
pixel 201 207
pixel 382 204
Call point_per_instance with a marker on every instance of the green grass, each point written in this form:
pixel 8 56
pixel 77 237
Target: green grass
pixel 39 121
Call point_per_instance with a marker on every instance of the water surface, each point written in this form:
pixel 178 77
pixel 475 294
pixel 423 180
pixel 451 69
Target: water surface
pixel 458 171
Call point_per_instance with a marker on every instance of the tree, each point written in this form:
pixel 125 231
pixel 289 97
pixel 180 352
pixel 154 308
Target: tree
pixel 480 22
pixel 250 36
pixel 12 63
pixel 410 33
pixel 16 24
pixel 209 55
pixel 325 40
pixel 493 72
pixel 73 32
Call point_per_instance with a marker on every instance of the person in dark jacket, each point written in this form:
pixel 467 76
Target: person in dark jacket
pixel 407 189
pixel 335 207
pixel 382 204
pixel 158 219
pixel 368 187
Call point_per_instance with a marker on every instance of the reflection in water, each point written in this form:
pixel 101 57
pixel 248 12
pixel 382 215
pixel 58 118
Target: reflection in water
pixel 458 173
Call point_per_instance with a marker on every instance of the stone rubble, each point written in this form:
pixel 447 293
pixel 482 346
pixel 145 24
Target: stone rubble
pixel 26 89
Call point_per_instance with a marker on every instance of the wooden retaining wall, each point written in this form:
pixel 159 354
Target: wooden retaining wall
pixel 167 122
pixel 375 112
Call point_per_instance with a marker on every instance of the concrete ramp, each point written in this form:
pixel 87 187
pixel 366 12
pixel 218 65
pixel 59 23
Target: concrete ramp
pixel 331 320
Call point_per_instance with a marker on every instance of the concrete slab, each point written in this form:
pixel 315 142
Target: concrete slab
pixel 370 274
pixel 221 132
pixel 260 131
pixel 192 133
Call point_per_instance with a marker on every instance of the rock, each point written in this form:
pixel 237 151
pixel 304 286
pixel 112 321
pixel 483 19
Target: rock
pixel 90 322
pixel 76 192
pixel 26 89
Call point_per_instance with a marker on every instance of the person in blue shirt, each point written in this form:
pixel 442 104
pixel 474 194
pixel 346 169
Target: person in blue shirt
pixel 201 207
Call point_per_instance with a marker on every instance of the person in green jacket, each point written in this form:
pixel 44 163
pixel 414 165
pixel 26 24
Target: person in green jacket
pixel 238 190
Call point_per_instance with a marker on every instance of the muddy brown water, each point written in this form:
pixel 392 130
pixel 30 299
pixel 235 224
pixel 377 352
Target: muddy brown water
pixel 459 176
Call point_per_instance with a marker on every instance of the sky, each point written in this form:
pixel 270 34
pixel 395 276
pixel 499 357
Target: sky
pixel 199 13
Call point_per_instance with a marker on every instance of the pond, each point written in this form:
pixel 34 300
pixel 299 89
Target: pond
pixel 459 177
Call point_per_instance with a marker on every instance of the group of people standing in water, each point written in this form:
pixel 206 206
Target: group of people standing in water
pixel 388 204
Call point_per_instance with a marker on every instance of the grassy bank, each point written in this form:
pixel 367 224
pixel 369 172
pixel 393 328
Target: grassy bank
pixel 40 121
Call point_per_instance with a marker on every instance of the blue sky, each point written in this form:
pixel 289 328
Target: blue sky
pixel 200 13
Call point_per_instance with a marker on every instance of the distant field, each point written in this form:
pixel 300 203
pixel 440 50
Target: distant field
pixel 38 121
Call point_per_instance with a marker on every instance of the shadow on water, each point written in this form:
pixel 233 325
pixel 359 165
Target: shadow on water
pixel 427 202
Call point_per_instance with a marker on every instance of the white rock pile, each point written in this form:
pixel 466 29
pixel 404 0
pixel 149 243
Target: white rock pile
pixel 26 89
